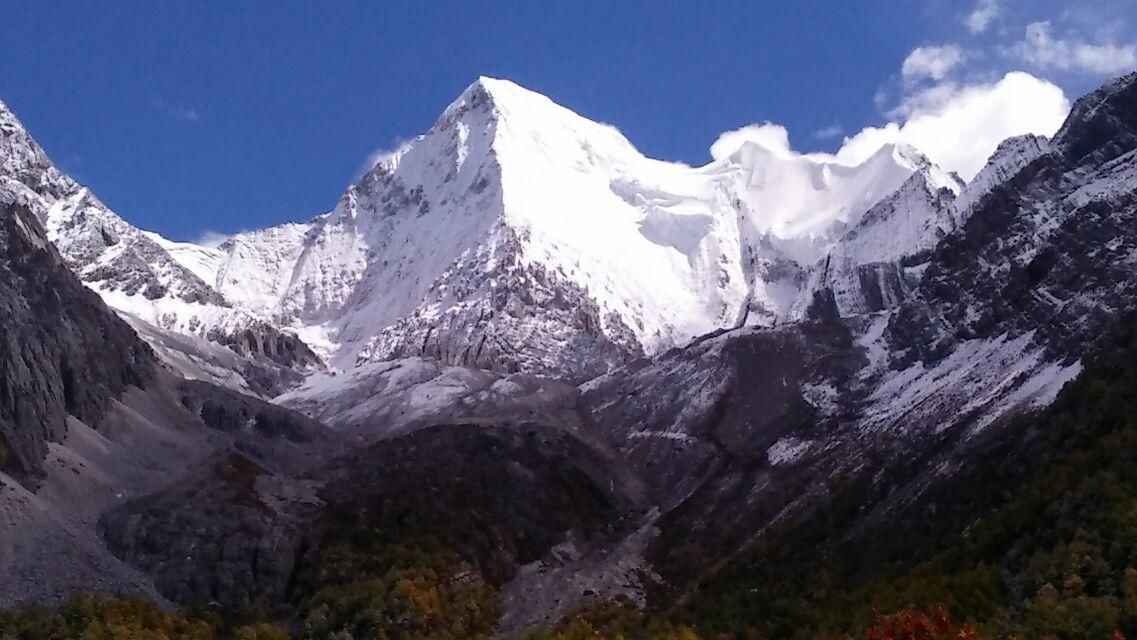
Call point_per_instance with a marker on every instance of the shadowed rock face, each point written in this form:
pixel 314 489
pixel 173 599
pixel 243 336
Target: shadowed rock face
pixel 263 340
pixel 500 495
pixel 1102 125
pixel 700 425
pixel 61 350
pixel 231 412
pixel 1050 250
pixel 732 396
pixel 241 528
pixel 88 417
pixel 230 527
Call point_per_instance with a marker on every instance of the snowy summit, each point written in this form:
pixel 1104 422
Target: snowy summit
pixel 518 235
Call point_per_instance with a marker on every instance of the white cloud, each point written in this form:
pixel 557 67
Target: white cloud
pixel 927 99
pixel 934 62
pixel 957 127
pixel 1041 49
pixel 389 154
pixel 828 133
pixel 954 102
pixel 960 126
pixel 211 239
pixel 769 135
pixel 983 15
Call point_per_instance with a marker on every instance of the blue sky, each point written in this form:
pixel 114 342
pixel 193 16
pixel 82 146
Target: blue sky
pixel 197 117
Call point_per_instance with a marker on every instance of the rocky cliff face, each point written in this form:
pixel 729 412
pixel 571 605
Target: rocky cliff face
pixel 1049 251
pixel 511 317
pixel 880 261
pixel 105 250
pixel 262 340
pixel 61 352
pixel 89 417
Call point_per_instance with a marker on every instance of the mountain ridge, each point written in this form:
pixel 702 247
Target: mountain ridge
pixel 531 211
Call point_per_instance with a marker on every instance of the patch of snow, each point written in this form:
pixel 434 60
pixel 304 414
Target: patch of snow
pixel 666 435
pixel 787 450
pixel 978 383
pixel 200 260
pixel 875 344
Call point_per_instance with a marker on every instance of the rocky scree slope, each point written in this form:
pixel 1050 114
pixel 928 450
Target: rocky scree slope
pixel 240 534
pixel 89 417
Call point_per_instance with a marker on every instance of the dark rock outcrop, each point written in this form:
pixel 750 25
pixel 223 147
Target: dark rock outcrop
pixel 1050 250
pixel 62 352
pixel 263 340
pixel 232 412
pixel 1102 125
pixel 238 531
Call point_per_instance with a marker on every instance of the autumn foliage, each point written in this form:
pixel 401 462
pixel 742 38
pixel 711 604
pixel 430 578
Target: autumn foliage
pixel 913 624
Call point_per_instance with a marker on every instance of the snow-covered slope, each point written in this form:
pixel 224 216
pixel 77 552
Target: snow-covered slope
pixel 518 235
pixel 168 285
pixel 541 224
pixel 880 259
pixel 106 251
pixel 1008 159
pixel 255 267
pixel 806 200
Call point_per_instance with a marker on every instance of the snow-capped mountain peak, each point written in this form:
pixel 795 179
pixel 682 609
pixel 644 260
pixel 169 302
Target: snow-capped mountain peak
pixel 515 234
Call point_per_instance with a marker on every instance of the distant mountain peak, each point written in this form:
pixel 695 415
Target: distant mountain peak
pixel 498 90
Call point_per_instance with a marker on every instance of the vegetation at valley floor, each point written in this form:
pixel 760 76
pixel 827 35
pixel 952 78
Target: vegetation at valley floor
pixel 97 618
